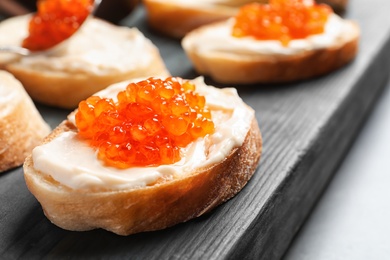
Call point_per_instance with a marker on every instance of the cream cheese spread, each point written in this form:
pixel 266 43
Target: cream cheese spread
pixel 217 40
pixel 97 48
pixel 73 163
pixel 11 93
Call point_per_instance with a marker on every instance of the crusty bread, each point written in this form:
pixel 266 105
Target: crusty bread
pixel 338 6
pixel 21 126
pixel 99 54
pixel 153 207
pixel 238 65
pixel 176 19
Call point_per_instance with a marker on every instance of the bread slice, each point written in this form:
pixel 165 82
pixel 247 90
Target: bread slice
pixel 159 204
pixel 176 18
pixel 21 125
pixel 98 55
pixel 226 59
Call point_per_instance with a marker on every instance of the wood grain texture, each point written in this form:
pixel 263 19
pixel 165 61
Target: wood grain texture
pixel 307 129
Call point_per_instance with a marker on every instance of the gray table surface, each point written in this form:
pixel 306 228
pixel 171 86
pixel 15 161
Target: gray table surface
pixel 351 220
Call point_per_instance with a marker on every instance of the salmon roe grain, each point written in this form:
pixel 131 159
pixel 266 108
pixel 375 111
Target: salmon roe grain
pixel 147 125
pixel 55 21
pixel 282 20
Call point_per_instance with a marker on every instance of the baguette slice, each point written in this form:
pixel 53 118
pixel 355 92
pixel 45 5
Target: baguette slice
pixel 176 18
pixel 156 206
pixel 21 125
pixel 231 60
pixel 98 55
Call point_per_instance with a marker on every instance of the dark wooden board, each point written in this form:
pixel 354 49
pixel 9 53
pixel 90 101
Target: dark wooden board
pixel 307 129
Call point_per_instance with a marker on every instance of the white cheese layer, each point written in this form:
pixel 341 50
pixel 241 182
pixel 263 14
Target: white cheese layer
pixel 98 48
pixel 11 94
pixel 73 163
pixel 217 40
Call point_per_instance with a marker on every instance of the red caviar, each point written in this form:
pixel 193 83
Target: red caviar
pixel 147 125
pixel 281 20
pixel 55 21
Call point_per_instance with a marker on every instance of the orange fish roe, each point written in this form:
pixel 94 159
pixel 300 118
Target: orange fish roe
pixel 55 21
pixel 147 126
pixel 281 20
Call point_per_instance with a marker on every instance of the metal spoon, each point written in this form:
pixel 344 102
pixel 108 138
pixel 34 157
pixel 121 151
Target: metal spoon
pixel 26 52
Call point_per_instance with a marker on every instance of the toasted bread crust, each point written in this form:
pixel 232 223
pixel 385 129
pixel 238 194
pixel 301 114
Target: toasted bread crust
pixel 338 6
pixel 267 68
pixel 21 129
pixel 176 20
pixel 153 207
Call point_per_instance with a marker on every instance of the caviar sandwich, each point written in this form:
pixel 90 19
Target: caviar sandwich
pixel 87 62
pixel 283 41
pixel 145 155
